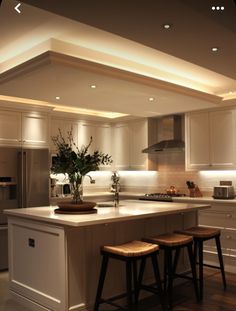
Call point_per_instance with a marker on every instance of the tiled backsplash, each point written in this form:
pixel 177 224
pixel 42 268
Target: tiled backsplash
pixel 171 172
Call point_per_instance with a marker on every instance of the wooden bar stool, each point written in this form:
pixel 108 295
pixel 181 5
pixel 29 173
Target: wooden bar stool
pixel 201 234
pixel 130 253
pixel 174 242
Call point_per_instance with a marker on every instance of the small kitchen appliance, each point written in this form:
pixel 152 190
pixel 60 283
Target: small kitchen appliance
pixel 223 192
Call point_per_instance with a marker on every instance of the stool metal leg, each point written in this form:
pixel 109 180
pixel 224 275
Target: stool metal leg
pixel 129 282
pixel 217 239
pixel 135 281
pixel 158 280
pixel 200 253
pixel 193 269
pixel 140 276
pixel 170 275
pixel 176 260
pixel 101 281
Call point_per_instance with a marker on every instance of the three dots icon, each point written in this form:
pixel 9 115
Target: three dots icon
pixel 217 8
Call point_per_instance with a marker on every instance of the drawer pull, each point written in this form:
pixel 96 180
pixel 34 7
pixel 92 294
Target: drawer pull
pixel 31 242
pixel 229 215
pixel 228 237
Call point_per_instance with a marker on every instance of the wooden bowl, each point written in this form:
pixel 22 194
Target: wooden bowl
pixel 70 206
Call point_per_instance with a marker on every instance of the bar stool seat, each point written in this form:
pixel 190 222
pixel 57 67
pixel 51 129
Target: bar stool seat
pixel 170 239
pixel 170 242
pixel 130 253
pixel 201 234
pixel 131 249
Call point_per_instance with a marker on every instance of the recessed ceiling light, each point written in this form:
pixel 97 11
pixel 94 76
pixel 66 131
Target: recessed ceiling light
pixel 93 86
pixel 230 92
pixel 151 99
pixel 167 26
pixel 58 97
pixel 215 49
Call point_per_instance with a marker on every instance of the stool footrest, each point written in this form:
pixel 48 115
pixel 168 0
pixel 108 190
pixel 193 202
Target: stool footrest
pixel 149 288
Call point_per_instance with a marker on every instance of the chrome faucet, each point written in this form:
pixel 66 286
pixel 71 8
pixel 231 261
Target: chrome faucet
pixel 115 188
pixel 116 195
pixel 92 181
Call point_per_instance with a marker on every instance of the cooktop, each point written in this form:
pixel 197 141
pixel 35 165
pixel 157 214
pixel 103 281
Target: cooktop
pixel 160 196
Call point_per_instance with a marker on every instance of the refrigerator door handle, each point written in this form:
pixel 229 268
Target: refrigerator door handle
pixel 20 178
pixel 24 178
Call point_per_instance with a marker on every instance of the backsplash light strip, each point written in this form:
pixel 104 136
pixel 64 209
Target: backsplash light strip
pixel 218 173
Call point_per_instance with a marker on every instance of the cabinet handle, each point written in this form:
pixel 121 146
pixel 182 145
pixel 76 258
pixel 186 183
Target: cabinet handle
pixel 228 237
pixel 229 215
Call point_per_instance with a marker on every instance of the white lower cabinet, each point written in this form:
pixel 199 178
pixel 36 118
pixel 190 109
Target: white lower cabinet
pixel 56 267
pixel 222 216
pixel 37 263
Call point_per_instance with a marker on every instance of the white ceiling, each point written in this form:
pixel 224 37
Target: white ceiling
pixel 36 31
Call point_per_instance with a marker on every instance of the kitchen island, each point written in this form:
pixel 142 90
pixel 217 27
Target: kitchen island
pixel 54 259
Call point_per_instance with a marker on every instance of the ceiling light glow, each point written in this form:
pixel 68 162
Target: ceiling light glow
pixel 215 49
pixel 93 86
pixel 151 99
pixel 58 97
pixel 167 26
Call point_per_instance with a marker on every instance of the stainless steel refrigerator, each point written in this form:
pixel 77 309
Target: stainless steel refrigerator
pixel 24 182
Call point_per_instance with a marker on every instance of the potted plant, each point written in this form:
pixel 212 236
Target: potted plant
pixel 76 163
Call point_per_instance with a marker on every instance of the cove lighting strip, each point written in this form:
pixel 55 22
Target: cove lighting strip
pixel 90 112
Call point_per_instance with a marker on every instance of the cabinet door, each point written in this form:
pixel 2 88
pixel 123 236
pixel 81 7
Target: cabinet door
pixel 10 128
pixel 103 142
pixel 139 141
pixel 121 146
pixel 65 126
pixel 197 141
pixel 35 129
pixel 85 131
pixel 222 139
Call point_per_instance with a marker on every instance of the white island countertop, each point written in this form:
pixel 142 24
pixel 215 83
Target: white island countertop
pixel 127 210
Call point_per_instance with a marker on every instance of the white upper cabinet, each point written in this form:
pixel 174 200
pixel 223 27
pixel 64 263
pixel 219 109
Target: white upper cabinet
pixel 27 129
pixel 35 129
pixel 128 140
pixel 10 128
pixel 210 142
pixel 64 126
pixel 139 141
pixel 121 146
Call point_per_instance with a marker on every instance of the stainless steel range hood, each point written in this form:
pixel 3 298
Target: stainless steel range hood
pixel 169 134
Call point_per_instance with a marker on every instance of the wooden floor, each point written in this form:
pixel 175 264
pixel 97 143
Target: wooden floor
pixel 215 298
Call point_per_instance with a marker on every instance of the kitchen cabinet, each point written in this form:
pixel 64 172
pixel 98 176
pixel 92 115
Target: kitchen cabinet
pixel 65 126
pixel 38 251
pixel 101 135
pixel 35 129
pixel 129 139
pixel 10 128
pixel 222 216
pixel 24 129
pixel 210 140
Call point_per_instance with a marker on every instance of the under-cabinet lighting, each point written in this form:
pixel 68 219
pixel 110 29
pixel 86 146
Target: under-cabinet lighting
pixel 218 173
pixel 137 173
pixel 93 86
